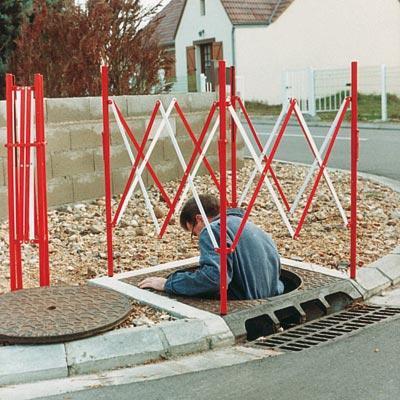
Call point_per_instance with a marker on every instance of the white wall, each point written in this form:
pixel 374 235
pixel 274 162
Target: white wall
pixel 317 34
pixel 215 24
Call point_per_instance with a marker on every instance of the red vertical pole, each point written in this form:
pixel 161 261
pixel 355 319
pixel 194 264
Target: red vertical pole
pixel 22 152
pixel 43 237
pixel 222 193
pixel 354 166
pixel 29 117
pixel 107 168
pixel 17 188
pixel 233 139
pixel 10 174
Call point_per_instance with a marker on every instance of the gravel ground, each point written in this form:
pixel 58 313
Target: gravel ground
pixel 78 242
pixel 144 316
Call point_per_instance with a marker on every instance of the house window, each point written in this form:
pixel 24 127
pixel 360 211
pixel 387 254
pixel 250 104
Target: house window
pixel 202 7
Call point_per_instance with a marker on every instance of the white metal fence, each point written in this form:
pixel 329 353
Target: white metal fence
pixel 323 90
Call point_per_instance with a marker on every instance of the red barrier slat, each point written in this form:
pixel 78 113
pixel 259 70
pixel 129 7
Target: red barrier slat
pixel 260 147
pixel 139 156
pixel 186 173
pixel 148 165
pixel 262 177
pixel 321 169
pixel 196 144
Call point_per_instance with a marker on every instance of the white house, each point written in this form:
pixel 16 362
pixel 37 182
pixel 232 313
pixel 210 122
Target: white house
pixel 262 38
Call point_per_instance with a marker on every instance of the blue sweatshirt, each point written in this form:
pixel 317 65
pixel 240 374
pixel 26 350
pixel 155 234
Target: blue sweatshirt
pixel 253 268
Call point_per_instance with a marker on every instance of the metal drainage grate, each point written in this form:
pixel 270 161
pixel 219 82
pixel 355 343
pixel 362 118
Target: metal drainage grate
pixel 327 328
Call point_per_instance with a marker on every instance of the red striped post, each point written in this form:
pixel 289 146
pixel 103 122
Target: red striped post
pixel 233 138
pixel 11 178
pixel 354 166
pixel 41 183
pixel 107 168
pixel 222 193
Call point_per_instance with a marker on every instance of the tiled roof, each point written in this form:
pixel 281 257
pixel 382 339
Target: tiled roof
pixel 239 12
pixel 255 11
pixel 170 16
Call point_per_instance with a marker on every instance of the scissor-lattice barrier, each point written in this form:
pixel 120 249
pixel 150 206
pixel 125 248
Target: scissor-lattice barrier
pixel 263 156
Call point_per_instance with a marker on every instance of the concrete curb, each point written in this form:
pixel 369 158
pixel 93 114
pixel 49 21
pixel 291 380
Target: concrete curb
pixel 20 364
pixel 103 385
pixel 196 330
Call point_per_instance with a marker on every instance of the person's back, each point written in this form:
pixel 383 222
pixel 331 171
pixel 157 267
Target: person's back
pixel 254 267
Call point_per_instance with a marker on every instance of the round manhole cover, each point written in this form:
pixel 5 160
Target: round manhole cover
pixel 60 313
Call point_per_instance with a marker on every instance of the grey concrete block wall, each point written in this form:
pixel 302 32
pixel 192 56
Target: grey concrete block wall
pixel 74 144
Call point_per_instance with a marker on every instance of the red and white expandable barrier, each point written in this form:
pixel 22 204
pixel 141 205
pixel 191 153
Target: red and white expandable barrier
pixel 26 169
pixel 226 106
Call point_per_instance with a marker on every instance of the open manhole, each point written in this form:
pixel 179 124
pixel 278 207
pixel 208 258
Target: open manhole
pixel 308 295
pixel 60 313
pixel 291 280
pixel 328 328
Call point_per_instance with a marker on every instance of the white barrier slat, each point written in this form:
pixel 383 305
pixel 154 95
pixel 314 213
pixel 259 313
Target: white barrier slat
pixel 32 171
pixel 263 153
pixel 261 168
pixel 319 160
pixel 145 161
pixel 147 201
pixel 190 181
pixel 315 163
pixel 198 163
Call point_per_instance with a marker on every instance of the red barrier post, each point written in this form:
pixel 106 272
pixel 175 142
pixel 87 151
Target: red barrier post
pixel 41 183
pixel 22 149
pixel 354 166
pixel 29 116
pixel 11 161
pixel 233 139
pixel 107 168
pixel 222 193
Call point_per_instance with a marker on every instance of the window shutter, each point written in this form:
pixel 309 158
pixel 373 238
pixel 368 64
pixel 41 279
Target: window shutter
pixel 217 52
pixel 191 60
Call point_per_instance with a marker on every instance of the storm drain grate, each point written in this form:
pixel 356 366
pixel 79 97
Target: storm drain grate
pixel 327 328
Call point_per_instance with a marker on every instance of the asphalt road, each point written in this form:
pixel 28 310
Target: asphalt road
pixel 379 148
pixel 361 367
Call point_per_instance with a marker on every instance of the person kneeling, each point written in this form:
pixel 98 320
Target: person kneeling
pixel 253 268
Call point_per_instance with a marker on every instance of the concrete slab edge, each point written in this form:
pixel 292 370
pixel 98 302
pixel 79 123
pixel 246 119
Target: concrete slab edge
pixel 21 364
pixel 218 333
pixel 195 331
pixel 88 385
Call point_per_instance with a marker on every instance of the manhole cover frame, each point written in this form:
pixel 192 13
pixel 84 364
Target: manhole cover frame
pixel 54 305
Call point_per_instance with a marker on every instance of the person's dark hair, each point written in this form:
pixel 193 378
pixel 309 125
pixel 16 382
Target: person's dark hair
pixel 189 211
